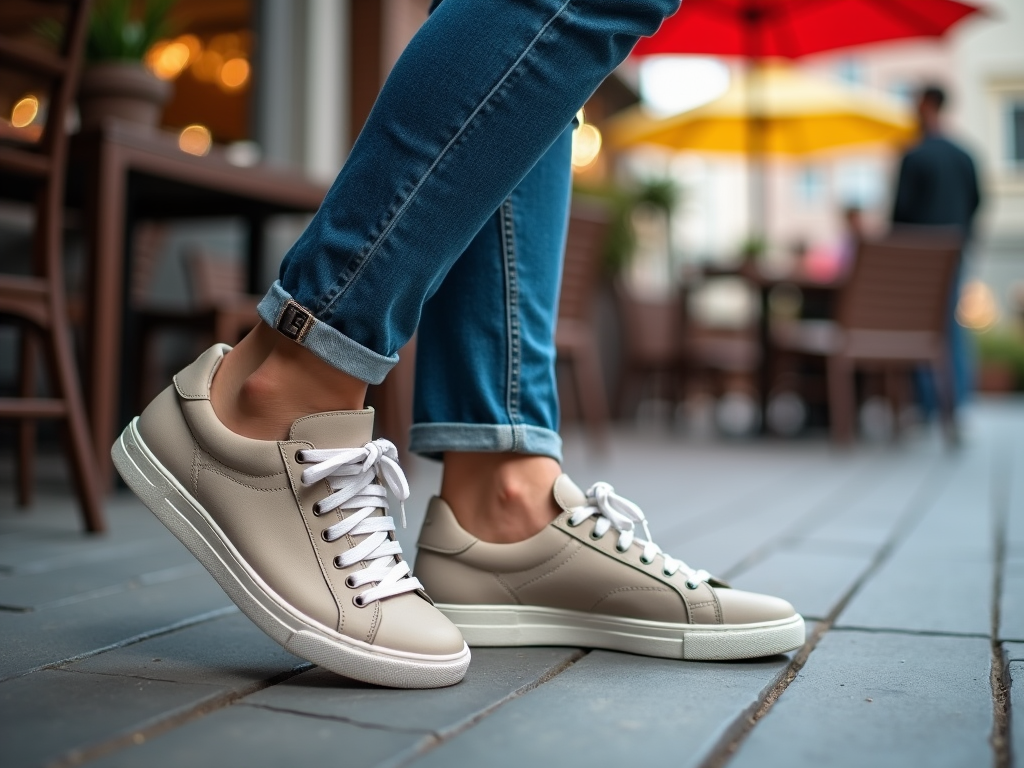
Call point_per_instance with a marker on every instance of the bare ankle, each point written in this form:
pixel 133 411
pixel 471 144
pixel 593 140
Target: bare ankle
pixel 500 497
pixel 267 382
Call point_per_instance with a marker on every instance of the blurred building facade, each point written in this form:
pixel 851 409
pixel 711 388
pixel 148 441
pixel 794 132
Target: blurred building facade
pixel 980 64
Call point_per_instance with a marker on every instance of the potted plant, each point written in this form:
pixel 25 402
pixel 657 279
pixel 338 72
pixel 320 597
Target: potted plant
pixel 115 82
pixel 1000 360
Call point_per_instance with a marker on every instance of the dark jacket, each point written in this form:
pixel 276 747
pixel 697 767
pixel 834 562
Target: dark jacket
pixel 937 185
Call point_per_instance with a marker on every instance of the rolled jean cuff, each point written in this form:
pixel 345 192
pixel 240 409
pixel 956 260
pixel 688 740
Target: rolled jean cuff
pixel 433 440
pixel 330 345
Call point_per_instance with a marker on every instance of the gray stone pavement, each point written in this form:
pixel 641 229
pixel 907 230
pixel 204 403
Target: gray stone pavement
pixel 908 560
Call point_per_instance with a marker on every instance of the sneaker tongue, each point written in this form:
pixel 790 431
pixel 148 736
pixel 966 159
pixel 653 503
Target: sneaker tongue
pixel 568 494
pixel 335 429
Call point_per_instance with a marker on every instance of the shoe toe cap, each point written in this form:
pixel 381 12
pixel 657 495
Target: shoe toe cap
pixel 411 624
pixel 739 607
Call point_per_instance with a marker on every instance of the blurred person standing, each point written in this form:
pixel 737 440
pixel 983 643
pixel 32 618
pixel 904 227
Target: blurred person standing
pixel 938 185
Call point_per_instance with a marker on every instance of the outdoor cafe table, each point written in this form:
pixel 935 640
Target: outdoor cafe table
pixel 124 174
pixel 764 281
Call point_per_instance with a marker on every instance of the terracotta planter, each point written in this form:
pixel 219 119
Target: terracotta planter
pixel 125 90
pixel 996 377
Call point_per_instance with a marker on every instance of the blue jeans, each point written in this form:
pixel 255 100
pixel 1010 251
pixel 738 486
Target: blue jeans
pixel 451 209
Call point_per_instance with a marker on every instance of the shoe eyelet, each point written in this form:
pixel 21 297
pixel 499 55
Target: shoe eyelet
pixel 595 537
pixel 358 601
pixel 323 535
pixel 620 550
pixel 299 457
pixel 569 523
pixel 316 509
pixel 348 579
pixel 337 562
pixel 645 561
pixel 691 585
pixel 665 572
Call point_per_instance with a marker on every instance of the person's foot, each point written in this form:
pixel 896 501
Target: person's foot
pixel 593 579
pixel 295 531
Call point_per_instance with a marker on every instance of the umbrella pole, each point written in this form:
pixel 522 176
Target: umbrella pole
pixel 756 130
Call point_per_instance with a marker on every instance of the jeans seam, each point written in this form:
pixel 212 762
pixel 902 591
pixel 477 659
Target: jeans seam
pixel 361 262
pixel 512 327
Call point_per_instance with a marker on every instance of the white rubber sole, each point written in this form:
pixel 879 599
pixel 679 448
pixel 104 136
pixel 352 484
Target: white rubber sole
pixel 513 625
pixel 192 525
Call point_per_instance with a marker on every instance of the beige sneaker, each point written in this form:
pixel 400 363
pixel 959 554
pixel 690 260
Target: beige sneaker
pixel 589 580
pixel 295 531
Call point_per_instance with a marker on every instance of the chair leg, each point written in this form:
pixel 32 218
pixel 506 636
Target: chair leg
pixel 80 446
pixel 894 394
pixel 626 395
pixel 841 402
pixel 942 371
pixel 27 427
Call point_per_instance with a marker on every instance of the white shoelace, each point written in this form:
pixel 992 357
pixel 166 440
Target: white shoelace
pixel 353 474
pixel 623 515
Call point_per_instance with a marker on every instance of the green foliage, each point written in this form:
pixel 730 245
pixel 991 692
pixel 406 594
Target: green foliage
pixel 753 248
pixel 118 34
pixel 663 193
pixel 1002 346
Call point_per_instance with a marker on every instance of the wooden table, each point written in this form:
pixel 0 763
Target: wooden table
pixel 764 281
pixel 125 174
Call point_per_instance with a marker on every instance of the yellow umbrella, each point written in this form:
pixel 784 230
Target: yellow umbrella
pixel 774 109
pixel 785 112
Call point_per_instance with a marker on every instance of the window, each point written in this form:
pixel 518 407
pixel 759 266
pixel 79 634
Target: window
pixel 860 183
pixel 1015 131
pixel 850 70
pixel 810 184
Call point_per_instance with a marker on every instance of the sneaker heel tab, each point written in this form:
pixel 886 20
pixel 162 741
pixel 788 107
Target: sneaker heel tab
pixel 567 494
pixel 441 532
pixel 193 381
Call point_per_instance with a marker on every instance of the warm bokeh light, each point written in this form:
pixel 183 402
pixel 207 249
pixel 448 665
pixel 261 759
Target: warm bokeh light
pixel 195 140
pixel 234 73
pixel 226 43
pixel 24 112
pixel 193 43
pixel 586 145
pixel 168 61
pixel 977 308
pixel 207 67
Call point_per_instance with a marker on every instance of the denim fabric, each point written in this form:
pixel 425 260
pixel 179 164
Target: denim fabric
pixel 481 93
pixel 487 334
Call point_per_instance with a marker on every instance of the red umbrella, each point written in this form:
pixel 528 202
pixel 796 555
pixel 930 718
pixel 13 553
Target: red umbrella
pixel 759 29
pixel 794 28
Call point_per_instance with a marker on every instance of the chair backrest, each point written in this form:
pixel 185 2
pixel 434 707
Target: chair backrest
pixel 37 78
pixel 902 282
pixel 26 57
pixel 585 242
pixel 652 329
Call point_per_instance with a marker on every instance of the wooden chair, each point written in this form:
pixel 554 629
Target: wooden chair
pixel 37 301
pixel 893 315
pixel 721 358
pixel 575 337
pixel 652 348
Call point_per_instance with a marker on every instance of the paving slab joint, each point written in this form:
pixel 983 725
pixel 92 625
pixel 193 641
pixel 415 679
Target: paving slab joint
pixel 742 725
pixel 1000 675
pixel 191 621
pixel 1000 680
pixel 170 720
pixel 437 738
